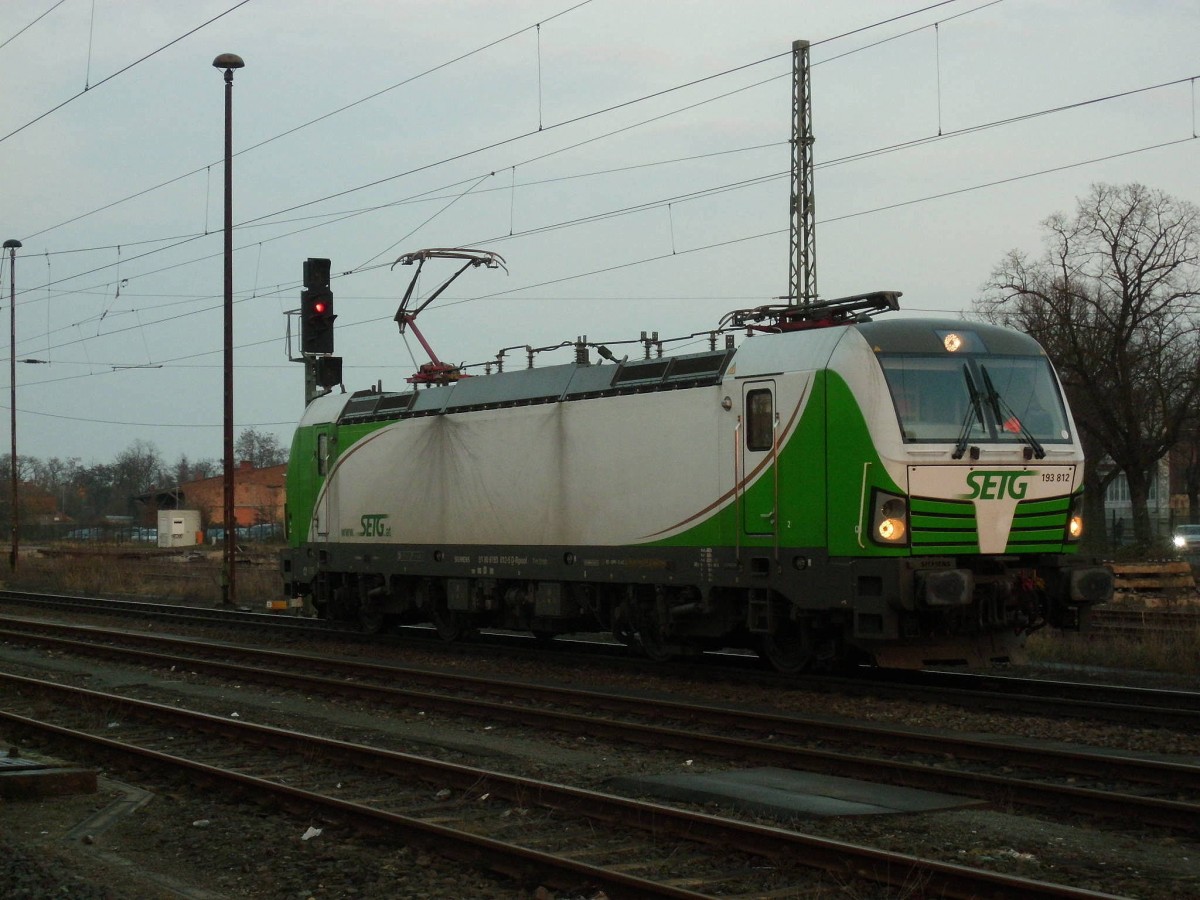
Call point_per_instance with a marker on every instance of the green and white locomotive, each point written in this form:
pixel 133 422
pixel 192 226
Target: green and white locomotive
pixel 902 491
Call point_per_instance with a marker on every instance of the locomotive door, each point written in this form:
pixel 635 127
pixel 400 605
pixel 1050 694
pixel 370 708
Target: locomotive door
pixel 759 475
pixel 321 466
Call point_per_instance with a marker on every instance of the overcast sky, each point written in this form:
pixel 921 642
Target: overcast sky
pixel 629 160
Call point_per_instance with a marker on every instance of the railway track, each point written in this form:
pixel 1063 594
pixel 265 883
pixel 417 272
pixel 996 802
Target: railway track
pixel 172 612
pixel 564 837
pixel 1142 621
pixel 1097 784
pixel 1110 703
pixel 1120 704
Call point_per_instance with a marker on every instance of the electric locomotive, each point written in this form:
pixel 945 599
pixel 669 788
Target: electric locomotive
pixel 839 487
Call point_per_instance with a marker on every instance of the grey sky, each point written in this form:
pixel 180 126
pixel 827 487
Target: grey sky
pixel 498 148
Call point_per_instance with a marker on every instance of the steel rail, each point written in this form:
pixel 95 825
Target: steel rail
pixel 1172 814
pixel 1172 775
pixel 881 866
pixel 1114 703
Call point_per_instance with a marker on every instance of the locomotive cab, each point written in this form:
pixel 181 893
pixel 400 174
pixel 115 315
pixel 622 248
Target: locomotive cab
pixel 985 472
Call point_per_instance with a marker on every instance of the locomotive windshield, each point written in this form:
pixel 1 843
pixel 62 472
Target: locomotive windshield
pixel 946 399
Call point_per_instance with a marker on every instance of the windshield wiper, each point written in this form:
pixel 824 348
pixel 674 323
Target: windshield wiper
pixel 1007 418
pixel 974 414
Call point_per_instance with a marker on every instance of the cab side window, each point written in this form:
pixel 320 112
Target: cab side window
pixel 760 420
pixel 322 453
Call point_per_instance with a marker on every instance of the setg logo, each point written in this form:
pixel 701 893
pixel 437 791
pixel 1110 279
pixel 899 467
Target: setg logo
pixel 373 525
pixel 999 485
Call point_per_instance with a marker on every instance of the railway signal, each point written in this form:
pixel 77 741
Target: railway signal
pixel 316 309
pixel 327 371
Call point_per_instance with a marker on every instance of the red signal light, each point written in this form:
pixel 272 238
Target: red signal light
pixel 316 310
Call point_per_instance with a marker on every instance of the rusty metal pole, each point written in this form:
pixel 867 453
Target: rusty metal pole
pixel 11 246
pixel 229 62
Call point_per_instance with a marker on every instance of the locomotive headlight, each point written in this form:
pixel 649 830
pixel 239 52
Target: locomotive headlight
pixel 890 519
pixel 1075 522
pixel 891 529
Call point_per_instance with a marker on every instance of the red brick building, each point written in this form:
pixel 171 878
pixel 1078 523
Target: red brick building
pixel 258 496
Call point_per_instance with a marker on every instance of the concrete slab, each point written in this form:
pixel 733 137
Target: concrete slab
pixel 788 794
pixel 27 779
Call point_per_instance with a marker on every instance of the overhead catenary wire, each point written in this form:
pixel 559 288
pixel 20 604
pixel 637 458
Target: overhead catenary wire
pixel 890 148
pixel 306 124
pixel 120 72
pixel 31 24
pixel 882 150
pixel 872 152
pixel 429 195
pixel 187 239
pixel 937 52
pixel 87 77
pixel 633 263
pixel 570 223
pixel 480 49
pixel 452 201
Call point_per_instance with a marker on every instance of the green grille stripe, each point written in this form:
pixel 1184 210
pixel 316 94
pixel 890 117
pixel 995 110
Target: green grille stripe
pixel 921 522
pixel 945 528
pixel 1037 534
pixel 1054 504
pixel 1033 548
pixel 950 527
pixel 1023 520
pixel 949 540
pixel 942 526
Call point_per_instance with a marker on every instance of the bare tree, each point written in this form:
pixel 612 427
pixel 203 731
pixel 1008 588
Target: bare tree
pixel 137 469
pixel 181 471
pixel 1187 455
pixel 205 468
pixel 1115 300
pixel 260 448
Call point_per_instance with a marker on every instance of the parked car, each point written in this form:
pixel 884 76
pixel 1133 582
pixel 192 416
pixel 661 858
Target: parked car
pixel 1187 538
pixel 261 532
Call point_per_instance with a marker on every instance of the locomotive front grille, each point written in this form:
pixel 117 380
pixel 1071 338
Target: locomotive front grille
pixel 946 527
pixel 1039 526
pixel 943 527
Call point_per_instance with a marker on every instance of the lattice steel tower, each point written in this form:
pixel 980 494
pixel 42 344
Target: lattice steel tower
pixel 802 285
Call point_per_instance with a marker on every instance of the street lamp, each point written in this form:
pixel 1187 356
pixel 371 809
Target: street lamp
pixel 229 62
pixel 11 246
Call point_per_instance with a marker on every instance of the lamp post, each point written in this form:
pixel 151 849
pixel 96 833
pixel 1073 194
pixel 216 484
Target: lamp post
pixel 229 62
pixel 11 246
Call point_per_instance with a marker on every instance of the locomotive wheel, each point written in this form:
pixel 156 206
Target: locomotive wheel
pixel 449 625
pixel 653 645
pixel 623 631
pixel 789 649
pixel 371 618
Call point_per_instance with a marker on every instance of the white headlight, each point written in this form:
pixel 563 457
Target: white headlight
pixel 890 520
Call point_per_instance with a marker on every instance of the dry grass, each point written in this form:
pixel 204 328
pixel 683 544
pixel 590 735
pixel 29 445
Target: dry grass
pixel 147 573
pixel 1176 651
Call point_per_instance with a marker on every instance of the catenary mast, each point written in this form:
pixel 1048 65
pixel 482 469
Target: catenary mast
pixel 802 285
